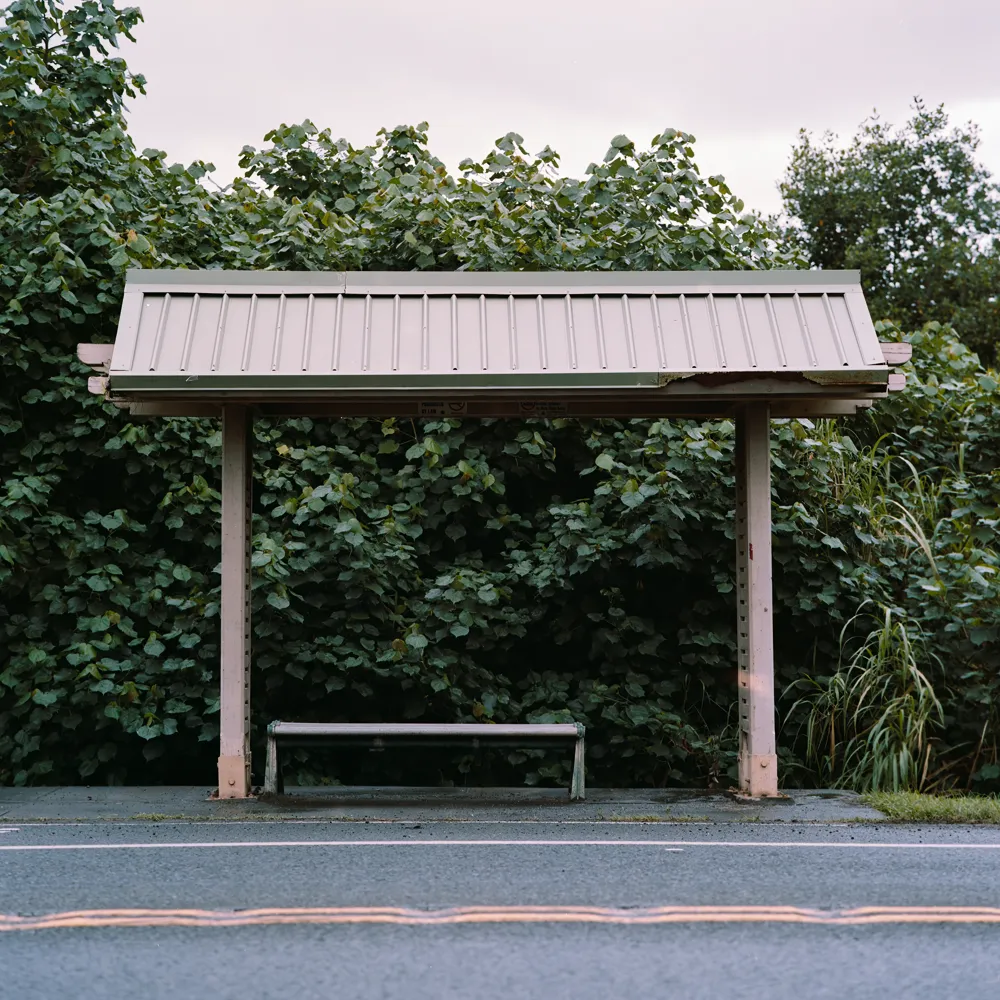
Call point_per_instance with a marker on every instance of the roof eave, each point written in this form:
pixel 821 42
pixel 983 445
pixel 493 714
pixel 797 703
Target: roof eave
pixel 218 281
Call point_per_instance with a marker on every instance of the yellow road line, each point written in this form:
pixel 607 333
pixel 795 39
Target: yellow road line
pixel 503 914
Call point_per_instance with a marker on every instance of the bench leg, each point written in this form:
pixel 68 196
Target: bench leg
pixel 576 788
pixel 273 785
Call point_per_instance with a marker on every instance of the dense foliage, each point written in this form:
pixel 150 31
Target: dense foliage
pixel 444 570
pixel 915 211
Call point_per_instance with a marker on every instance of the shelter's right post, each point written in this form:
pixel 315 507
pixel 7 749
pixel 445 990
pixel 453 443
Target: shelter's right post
pixel 234 687
pixel 758 770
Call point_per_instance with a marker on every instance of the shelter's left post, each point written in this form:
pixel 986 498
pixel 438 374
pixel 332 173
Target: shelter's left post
pixel 234 687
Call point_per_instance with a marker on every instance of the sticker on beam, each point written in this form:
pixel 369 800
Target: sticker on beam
pixel 442 408
pixel 540 407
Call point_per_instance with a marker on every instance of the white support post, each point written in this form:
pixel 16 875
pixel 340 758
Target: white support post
pixel 234 687
pixel 758 763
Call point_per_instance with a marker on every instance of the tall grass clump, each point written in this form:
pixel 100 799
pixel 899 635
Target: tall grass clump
pixel 871 726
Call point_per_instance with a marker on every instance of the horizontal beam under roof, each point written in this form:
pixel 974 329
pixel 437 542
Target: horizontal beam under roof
pixel 474 409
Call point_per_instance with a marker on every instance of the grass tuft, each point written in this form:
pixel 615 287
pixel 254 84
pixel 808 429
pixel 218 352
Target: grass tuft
pixel 872 725
pixel 912 807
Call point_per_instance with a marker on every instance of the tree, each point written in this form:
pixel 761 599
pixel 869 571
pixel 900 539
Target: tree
pixel 393 205
pixel 914 211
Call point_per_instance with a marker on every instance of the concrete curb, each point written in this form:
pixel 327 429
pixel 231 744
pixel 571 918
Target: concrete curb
pixel 82 804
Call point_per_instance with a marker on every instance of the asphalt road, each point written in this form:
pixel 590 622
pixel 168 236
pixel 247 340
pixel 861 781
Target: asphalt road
pixel 767 910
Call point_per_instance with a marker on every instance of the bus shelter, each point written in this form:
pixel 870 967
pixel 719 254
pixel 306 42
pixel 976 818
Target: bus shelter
pixel 744 345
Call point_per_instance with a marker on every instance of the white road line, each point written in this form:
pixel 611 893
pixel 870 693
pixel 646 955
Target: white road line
pixel 378 821
pixel 752 844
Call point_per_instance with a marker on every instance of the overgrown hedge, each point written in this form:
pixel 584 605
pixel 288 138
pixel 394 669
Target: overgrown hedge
pixel 440 570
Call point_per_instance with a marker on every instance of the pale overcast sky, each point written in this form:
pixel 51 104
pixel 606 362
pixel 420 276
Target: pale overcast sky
pixel 742 75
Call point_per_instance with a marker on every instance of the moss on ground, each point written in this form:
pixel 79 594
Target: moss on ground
pixel 912 807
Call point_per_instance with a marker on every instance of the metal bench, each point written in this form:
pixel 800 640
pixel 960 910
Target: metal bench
pixel 378 734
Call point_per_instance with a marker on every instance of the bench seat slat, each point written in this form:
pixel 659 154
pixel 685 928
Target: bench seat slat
pixel 561 730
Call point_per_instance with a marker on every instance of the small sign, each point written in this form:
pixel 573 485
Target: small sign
pixel 442 408
pixel 541 407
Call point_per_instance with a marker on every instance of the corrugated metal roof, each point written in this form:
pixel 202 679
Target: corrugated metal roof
pixel 261 334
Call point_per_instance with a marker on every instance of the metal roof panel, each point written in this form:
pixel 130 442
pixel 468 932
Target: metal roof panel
pixel 192 330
